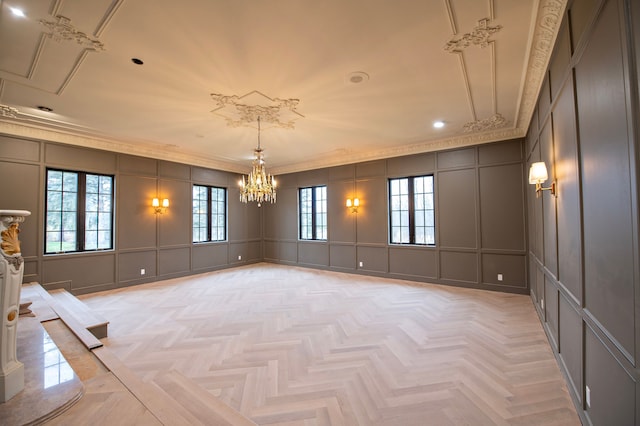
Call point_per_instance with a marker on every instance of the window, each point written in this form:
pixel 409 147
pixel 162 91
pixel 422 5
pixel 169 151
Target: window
pixel 412 210
pixel 79 212
pixel 209 213
pixel 313 213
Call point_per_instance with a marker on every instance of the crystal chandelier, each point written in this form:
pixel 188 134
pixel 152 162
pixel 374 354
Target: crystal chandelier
pixel 258 185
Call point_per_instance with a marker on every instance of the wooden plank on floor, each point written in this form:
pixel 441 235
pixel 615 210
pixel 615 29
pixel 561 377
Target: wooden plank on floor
pixel 163 407
pixel 85 336
pixel 81 313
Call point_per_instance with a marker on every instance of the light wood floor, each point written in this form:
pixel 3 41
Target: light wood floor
pixel 293 346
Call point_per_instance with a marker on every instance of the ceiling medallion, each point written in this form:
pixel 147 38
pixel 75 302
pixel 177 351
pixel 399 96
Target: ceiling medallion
pixel 496 121
pixel 243 110
pixel 8 112
pixel 478 37
pixel 61 29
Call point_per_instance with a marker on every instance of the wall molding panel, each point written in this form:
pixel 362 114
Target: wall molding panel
pixel 583 245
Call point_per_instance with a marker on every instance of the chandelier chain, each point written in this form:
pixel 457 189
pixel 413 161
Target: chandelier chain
pixel 258 185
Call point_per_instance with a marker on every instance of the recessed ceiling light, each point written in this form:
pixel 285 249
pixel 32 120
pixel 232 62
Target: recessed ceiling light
pixel 44 108
pixel 357 77
pixel 17 12
pixel 438 124
pixel 137 61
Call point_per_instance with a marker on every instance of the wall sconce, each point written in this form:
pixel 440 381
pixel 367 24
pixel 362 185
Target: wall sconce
pixel 353 204
pixel 537 175
pixel 158 208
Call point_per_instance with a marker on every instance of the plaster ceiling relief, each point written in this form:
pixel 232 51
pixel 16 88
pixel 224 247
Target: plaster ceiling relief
pixel 8 112
pixel 61 29
pixel 496 121
pixel 244 110
pixel 191 97
pixel 478 37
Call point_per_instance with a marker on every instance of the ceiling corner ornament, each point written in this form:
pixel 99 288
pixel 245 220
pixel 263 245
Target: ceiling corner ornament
pixel 242 110
pixel 496 121
pixel 62 30
pixel 8 112
pixel 478 37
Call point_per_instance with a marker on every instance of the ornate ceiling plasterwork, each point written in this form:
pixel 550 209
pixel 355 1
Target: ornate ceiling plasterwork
pixel 546 30
pixel 8 112
pixel 543 34
pixel 478 37
pixel 238 112
pixel 496 121
pixel 62 30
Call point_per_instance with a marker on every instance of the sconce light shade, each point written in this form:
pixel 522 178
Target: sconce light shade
pixel 155 203
pixel 353 204
pixel 538 173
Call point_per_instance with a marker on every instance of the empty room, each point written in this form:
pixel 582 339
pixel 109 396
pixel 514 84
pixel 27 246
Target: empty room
pixel 289 212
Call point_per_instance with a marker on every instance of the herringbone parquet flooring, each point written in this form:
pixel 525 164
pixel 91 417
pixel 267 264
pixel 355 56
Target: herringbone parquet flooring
pixel 293 346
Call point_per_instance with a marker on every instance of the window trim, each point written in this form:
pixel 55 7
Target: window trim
pixel 411 210
pixel 209 225
pixel 314 213
pixel 81 210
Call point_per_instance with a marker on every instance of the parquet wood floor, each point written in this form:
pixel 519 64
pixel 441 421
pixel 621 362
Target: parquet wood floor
pixel 294 346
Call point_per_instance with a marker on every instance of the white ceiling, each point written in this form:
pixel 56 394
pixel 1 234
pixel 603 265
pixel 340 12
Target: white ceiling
pixel 265 50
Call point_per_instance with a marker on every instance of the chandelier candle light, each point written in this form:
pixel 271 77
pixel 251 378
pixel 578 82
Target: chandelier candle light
pixel 258 186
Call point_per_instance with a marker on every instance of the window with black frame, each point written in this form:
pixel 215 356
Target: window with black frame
pixel 79 212
pixel 313 213
pixel 412 210
pixel 209 213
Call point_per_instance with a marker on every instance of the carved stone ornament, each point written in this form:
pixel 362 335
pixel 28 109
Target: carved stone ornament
pixel 9 242
pixel 243 110
pixel 62 29
pixel 478 37
pixel 496 121
pixel 8 112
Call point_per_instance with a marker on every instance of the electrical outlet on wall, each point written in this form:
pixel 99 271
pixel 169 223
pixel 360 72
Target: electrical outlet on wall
pixel 361 264
pixel 239 257
pixel 542 303
pixel 587 396
pixel 499 277
pixel 143 271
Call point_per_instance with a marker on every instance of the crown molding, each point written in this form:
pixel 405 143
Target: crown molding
pixel 75 138
pixel 549 18
pixel 345 157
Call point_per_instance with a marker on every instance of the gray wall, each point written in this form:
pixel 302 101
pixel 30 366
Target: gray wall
pixel 480 219
pixel 583 245
pixel 160 244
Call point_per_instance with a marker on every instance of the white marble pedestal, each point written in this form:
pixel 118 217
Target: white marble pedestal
pixel 11 272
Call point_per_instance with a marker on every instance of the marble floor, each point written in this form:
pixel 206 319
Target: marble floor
pixel 51 385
